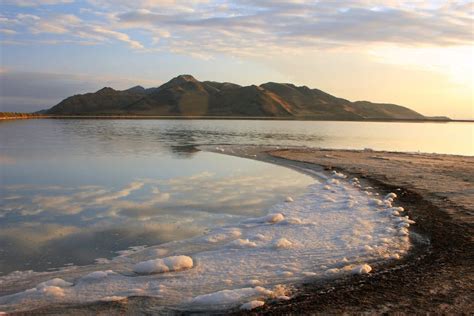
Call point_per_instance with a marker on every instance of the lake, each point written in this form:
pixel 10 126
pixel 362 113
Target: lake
pixel 93 193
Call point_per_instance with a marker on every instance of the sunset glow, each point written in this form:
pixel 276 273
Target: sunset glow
pixel 417 54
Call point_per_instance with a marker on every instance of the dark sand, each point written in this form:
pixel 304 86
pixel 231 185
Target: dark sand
pixel 437 191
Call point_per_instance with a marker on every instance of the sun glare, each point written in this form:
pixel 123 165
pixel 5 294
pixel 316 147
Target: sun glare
pixel 454 62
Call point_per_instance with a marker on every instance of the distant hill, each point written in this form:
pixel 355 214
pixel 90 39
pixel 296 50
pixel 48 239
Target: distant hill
pixel 186 96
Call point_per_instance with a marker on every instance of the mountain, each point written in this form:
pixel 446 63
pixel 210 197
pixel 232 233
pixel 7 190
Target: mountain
pixel 186 96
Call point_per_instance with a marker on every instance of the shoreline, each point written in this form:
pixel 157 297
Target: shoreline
pixel 250 118
pixel 435 278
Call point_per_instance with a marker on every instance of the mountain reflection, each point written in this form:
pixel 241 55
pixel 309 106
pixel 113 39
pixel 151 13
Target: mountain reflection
pixel 183 151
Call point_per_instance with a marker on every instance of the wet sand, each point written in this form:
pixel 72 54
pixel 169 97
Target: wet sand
pixel 437 277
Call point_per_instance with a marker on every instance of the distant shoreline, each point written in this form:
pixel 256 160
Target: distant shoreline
pixel 263 118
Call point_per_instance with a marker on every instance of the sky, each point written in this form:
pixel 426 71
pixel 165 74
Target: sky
pixel 413 53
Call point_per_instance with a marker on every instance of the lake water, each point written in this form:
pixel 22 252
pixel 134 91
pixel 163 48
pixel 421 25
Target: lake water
pixel 86 192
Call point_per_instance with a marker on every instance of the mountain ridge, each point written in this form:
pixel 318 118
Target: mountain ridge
pixel 185 96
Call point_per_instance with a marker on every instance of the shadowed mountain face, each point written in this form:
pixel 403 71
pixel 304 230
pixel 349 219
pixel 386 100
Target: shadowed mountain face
pixel 186 96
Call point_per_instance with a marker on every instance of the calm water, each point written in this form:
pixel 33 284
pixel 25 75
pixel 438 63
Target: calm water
pixel 73 191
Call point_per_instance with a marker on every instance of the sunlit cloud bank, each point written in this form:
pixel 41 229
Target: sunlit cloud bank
pixel 242 27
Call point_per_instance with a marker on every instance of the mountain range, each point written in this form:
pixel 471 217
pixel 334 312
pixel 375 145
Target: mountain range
pixel 185 96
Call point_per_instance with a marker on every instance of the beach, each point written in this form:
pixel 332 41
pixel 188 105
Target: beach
pixel 437 192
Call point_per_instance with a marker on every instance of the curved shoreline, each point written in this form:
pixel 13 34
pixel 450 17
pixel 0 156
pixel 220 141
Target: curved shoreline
pixel 434 279
pixel 437 279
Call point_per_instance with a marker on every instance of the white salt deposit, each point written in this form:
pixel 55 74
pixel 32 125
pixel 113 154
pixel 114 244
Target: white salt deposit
pixel 243 243
pixel 377 202
pixel 52 292
pixel 361 269
pixel 226 297
pixel 225 234
pixel 255 282
pixel 260 237
pixel 285 273
pixel 274 218
pixel 398 209
pixel 292 221
pixel 112 298
pixel 54 282
pixel 283 243
pixel 252 305
pixel 327 232
pixel 97 275
pixel 338 175
pixel 174 263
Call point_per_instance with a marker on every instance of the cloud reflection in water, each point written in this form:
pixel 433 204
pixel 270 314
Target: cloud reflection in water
pixel 50 226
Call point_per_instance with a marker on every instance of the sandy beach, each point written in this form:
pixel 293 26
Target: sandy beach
pixel 436 277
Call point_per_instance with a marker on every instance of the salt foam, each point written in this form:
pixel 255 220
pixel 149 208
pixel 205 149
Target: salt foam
pixel 327 232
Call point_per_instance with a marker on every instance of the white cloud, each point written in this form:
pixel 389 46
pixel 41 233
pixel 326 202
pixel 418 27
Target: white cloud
pixel 69 25
pixel 114 34
pixel 119 194
pixel 7 31
pixel 59 24
pixel 202 192
pixel 36 3
pixel 251 27
pixel 259 27
pixel 27 17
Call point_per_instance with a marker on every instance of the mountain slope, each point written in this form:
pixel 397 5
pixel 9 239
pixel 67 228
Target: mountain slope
pixel 186 96
pixel 104 101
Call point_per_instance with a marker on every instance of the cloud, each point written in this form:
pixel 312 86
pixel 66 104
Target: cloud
pixel 113 34
pixel 119 194
pixel 259 28
pixel 74 28
pixel 36 3
pixel 146 35
pixel 33 234
pixel 59 24
pixel 7 31
pixel 235 194
pixel 64 25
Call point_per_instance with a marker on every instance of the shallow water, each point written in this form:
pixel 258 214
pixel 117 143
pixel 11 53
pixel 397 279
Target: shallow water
pixel 75 191
pixel 82 192
pixel 78 190
pixel 335 228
